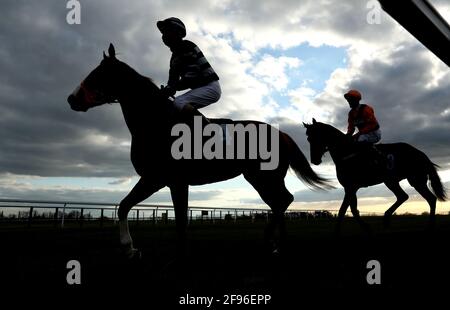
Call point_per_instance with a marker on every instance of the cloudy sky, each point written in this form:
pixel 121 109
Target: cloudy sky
pixel 283 62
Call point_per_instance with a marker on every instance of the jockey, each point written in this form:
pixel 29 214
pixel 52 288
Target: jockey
pixel 189 69
pixel 362 116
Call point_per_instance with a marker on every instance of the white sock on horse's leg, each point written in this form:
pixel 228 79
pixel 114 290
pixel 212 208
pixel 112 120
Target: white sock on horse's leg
pixel 125 237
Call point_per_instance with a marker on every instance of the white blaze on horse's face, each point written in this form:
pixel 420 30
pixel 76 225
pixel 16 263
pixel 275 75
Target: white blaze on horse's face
pixel 96 89
pixel 83 98
pixel 76 100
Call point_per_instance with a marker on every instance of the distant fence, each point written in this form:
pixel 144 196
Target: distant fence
pixel 61 212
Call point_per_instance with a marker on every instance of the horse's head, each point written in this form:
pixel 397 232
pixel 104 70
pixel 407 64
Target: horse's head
pixel 99 87
pixel 318 140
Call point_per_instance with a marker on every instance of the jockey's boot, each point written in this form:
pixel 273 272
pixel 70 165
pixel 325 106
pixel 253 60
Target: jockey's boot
pixel 379 154
pixel 188 112
pixel 375 155
pixel 379 158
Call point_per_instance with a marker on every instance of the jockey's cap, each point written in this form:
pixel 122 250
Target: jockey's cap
pixel 353 93
pixel 173 24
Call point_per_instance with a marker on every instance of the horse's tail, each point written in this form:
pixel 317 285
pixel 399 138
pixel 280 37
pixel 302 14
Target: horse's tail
pixel 436 184
pixel 301 167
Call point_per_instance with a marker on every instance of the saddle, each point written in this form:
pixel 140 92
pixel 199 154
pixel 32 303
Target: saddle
pixel 373 155
pixel 176 117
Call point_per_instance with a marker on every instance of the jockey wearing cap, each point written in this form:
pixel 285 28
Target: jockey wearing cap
pixel 362 116
pixel 189 69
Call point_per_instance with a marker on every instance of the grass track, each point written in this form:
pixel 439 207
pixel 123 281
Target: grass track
pixel 230 257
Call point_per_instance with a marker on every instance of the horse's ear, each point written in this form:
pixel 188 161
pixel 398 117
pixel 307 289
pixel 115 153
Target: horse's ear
pixel 111 51
pixel 305 125
pixel 314 121
pixel 104 55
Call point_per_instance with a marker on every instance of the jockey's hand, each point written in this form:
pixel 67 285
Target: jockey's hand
pixel 167 91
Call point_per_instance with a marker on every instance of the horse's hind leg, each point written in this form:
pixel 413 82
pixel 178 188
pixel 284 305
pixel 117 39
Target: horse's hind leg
pixel 180 195
pixel 420 185
pixel 141 191
pixel 277 221
pixel 278 198
pixel 274 193
pixel 401 198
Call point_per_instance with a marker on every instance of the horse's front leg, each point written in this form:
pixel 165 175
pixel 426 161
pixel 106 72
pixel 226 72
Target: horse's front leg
pixel 180 194
pixel 141 191
pixel 355 213
pixel 341 214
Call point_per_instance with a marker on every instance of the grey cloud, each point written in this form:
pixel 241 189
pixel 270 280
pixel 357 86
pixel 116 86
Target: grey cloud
pixel 406 108
pixel 17 190
pixel 42 59
pixel 337 195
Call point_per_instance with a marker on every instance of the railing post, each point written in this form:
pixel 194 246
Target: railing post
pixel 30 216
pixel 101 217
pixel 81 217
pixel 137 217
pixel 63 215
pixel 55 217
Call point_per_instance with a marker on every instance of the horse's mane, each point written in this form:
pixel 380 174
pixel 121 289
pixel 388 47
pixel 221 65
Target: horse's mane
pixel 332 129
pixel 337 134
pixel 147 81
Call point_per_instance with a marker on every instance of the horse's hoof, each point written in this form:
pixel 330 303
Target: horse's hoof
pixel 136 254
pixel 133 254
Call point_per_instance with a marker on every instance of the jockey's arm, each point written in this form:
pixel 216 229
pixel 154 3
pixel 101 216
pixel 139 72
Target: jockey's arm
pixel 351 126
pixel 174 78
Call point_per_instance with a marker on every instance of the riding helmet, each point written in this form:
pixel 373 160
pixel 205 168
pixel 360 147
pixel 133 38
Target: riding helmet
pixel 353 93
pixel 173 24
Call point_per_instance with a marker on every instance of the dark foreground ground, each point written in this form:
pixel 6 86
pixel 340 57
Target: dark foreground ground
pixel 229 258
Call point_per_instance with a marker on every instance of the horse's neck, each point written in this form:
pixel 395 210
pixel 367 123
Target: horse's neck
pixel 339 146
pixel 142 112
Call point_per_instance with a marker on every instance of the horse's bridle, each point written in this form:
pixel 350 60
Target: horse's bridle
pixel 96 97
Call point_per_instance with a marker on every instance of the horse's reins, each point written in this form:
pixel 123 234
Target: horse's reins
pixel 344 158
pixel 90 96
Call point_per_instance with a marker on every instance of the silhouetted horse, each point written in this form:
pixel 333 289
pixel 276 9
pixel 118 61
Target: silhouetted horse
pixel 356 169
pixel 150 119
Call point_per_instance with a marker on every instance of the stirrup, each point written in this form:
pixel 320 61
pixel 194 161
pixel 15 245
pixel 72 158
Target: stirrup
pixel 189 111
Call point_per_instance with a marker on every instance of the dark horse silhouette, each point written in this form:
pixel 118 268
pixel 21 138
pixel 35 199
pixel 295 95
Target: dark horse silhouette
pixel 356 169
pixel 150 118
